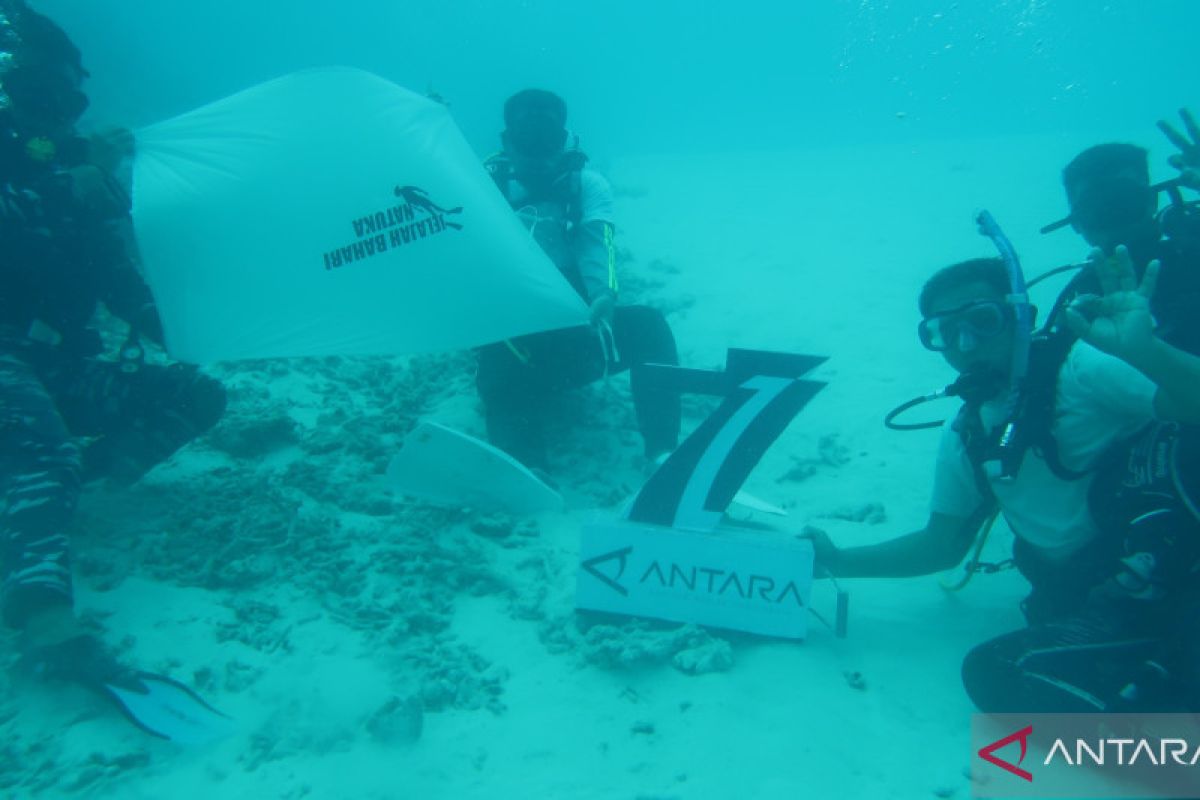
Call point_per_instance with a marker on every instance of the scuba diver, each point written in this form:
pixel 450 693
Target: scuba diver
pixel 66 415
pixel 568 211
pixel 1096 467
pixel 1112 202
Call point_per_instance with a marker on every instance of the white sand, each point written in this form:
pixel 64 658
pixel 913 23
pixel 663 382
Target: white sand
pixel 276 576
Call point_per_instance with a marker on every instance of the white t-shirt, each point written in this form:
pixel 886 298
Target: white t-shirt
pixel 596 197
pixel 1099 400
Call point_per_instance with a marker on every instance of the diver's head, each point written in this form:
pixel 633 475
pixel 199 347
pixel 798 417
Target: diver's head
pixel 966 316
pixel 41 74
pixel 1108 190
pixel 535 124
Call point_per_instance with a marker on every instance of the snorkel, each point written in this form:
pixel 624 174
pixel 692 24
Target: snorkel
pixel 1005 459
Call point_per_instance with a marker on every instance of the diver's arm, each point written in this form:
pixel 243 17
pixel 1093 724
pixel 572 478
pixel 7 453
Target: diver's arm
pixel 595 253
pixel 128 297
pixel 125 292
pixel 938 546
pixel 597 259
pixel 1176 373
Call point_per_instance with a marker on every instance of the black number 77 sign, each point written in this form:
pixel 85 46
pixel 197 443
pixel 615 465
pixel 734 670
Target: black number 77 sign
pixel 763 393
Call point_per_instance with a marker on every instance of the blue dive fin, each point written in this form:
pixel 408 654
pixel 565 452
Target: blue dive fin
pixel 168 709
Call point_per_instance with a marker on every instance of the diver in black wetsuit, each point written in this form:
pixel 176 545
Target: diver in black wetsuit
pixel 67 415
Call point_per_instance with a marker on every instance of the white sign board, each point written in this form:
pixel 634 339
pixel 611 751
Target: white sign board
pixel 733 579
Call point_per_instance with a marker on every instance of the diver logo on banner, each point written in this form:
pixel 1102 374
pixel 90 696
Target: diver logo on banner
pixel 734 579
pixel 414 218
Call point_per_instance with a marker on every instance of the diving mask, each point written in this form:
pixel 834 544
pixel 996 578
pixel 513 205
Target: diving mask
pixel 983 319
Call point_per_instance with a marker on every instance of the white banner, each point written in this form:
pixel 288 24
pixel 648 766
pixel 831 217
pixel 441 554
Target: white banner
pixel 332 212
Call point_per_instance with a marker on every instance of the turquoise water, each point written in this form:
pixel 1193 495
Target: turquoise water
pixel 787 175
pixel 676 75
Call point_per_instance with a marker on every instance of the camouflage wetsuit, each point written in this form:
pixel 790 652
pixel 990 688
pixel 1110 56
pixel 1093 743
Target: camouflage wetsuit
pixel 58 260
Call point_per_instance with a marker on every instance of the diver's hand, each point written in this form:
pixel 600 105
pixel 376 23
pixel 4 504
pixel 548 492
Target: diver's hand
pixel 826 554
pixel 1118 321
pixel 110 146
pixel 601 309
pixel 1187 160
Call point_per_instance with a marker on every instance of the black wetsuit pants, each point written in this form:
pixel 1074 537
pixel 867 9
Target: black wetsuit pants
pixel 132 420
pixel 1091 651
pixel 516 378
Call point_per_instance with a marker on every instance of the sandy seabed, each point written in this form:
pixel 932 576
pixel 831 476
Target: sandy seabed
pixel 373 647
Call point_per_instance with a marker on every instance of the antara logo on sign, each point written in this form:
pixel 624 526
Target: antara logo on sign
pixel 731 580
pixel 706 580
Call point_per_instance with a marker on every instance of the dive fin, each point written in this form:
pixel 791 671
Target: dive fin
pixel 166 708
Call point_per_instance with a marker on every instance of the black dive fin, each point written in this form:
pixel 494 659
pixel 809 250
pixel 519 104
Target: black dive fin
pixel 166 708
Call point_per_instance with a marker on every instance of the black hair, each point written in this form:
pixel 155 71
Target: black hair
pixel 1105 160
pixel 991 271
pixel 535 101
